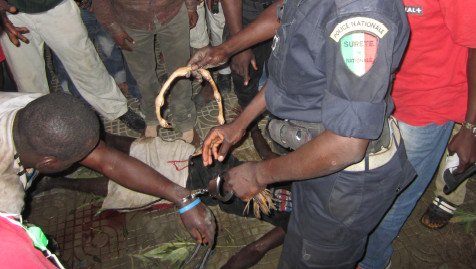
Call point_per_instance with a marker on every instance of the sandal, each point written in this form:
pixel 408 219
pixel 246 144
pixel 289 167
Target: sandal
pixel 438 214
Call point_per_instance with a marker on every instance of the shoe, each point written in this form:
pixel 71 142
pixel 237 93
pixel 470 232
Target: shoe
pixel 452 181
pixel 224 83
pixel 133 121
pixel 438 214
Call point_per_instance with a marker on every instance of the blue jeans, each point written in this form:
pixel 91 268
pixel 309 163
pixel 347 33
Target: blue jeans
pixel 425 146
pixel 113 60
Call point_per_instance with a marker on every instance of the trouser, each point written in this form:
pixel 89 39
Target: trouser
pixel 62 29
pixel 333 215
pixel 174 43
pixel 261 51
pixel 458 195
pixel 216 24
pixel 199 33
pixel 113 60
pixel 200 176
pixel 425 146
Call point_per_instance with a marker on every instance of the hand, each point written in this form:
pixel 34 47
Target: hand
pixel 209 4
pixel 208 57
pixel 192 19
pixel 225 135
pixel 200 223
pixel 464 144
pixel 240 63
pixel 243 180
pixel 4 6
pixel 14 33
pixel 121 41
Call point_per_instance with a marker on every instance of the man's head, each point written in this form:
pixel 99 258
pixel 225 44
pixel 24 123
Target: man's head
pixel 55 131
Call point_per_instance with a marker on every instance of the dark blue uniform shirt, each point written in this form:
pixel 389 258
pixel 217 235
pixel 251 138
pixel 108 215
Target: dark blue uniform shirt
pixel 332 63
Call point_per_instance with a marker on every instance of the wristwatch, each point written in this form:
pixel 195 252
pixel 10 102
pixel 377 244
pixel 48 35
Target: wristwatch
pixel 470 126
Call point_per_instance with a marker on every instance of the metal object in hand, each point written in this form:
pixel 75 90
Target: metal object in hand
pixel 216 189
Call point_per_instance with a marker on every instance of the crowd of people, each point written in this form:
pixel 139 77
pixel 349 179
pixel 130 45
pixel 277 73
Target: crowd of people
pixel 362 97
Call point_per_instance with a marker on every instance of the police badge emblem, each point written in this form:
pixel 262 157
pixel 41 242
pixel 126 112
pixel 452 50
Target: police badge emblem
pixel 359 37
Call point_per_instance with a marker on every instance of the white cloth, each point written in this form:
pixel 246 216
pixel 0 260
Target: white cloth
pixel 199 33
pixel 216 23
pixel 170 158
pixel 12 186
pixel 62 29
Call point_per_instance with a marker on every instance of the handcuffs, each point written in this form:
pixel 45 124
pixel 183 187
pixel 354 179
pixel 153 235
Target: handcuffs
pixel 215 190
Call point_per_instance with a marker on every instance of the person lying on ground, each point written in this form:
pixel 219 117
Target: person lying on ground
pixel 172 159
pixel 49 133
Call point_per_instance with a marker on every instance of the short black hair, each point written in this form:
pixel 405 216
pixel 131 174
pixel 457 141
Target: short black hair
pixel 59 125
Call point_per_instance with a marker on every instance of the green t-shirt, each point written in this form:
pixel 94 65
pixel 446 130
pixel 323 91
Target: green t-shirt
pixel 34 6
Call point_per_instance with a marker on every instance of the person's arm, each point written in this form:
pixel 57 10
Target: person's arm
pixel 14 33
pixel 192 12
pixel 464 142
pixel 220 139
pixel 240 62
pixel 263 28
pixel 105 15
pixel 252 253
pixel 135 175
pixel 326 154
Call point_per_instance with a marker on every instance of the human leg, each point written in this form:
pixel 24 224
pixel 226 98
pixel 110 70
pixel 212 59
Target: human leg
pixel 69 40
pixel 63 78
pixel 216 24
pixel 254 252
pixel 443 206
pixel 141 62
pixel 26 61
pixel 174 44
pixel 425 146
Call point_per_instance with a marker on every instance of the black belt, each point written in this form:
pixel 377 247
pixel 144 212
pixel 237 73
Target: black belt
pixel 257 4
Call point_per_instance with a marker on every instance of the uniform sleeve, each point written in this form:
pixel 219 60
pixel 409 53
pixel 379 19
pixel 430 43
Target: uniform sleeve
pixel 360 61
pixel 460 17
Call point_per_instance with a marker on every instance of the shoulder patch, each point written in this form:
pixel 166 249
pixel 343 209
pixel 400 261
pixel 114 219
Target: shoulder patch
pixel 359 51
pixel 359 24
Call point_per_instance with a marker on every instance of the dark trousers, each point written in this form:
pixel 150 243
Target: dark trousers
pixel 199 177
pixel 261 51
pixel 333 215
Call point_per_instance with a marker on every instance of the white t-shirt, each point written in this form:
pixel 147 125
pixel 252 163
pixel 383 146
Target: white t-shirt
pixel 13 181
pixel 170 158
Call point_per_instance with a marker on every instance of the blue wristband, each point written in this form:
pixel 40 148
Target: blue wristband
pixel 189 206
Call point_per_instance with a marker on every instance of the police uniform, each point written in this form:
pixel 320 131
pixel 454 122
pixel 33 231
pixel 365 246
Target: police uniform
pixel 331 64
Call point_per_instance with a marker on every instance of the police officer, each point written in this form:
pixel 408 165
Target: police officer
pixel 330 69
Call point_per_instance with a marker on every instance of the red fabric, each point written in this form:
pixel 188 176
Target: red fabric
pixel 17 250
pixel 2 55
pixel 431 86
